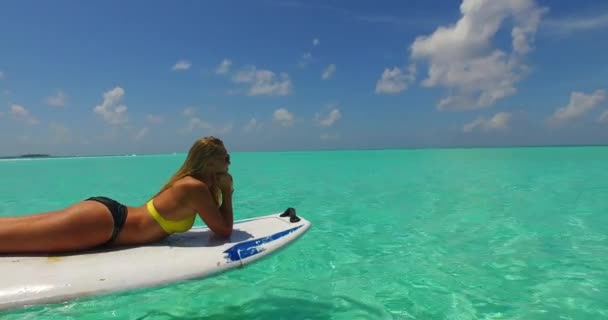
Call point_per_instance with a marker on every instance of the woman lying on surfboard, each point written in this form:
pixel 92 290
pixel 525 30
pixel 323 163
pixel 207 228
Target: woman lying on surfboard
pixel 196 188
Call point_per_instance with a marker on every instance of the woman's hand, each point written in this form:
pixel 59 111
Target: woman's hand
pixel 225 183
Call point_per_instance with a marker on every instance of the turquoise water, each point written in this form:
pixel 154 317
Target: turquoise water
pixel 397 234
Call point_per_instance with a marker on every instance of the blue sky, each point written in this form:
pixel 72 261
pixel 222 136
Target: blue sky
pixel 118 77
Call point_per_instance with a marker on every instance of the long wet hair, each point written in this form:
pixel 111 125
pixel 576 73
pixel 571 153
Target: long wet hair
pixel 195 165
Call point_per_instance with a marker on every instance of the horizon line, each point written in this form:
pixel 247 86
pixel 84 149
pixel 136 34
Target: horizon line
pixel 49 155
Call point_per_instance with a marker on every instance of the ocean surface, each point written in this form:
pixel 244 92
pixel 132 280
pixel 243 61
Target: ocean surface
pixel 511 233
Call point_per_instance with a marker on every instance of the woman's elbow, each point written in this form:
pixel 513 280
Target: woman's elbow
pixel 224 232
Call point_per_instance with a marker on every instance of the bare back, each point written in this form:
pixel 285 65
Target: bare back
pixel 175 202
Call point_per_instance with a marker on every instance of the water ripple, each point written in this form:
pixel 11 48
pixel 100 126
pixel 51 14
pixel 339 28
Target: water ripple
pixel 397 234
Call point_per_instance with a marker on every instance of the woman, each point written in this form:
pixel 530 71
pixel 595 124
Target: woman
pixel 99 221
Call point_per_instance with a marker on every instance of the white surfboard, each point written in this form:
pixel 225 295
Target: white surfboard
pixel 198 253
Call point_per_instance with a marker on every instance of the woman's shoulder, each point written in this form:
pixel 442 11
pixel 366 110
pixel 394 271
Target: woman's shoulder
pixel 183 189
pixel 189 182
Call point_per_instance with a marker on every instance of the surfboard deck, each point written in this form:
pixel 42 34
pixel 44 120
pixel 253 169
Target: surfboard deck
pixel 198 253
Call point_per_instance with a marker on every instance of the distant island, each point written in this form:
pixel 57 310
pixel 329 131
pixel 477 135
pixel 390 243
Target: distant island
pixel 32 155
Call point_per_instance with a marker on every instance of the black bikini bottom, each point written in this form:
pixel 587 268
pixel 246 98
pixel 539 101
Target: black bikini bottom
pixel 119 215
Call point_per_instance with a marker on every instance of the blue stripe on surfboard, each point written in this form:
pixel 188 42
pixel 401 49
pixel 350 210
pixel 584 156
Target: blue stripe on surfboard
pixel 250 248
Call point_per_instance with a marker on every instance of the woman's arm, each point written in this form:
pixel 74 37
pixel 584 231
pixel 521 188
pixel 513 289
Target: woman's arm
pixel 226 207
pixel 215 218
pixel 227 188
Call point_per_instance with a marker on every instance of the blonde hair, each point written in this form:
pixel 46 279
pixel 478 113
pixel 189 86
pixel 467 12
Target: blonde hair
pixel 195 165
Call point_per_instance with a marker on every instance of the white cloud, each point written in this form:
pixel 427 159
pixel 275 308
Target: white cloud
pixel 190 111
pixel 574 24
pixel 394 80
pixel 195 122
pixel 580 104
pixel 283 117
pixel 330 119
pixel 604 117
pixel 499 121
pixel 22 114
pixel 305 59
pixel 252 125
pixel 264 82
pixel 182 65
pixel 224 67
pixel 57 100
pixel 19 111
pixel 141 134
pixel 220 130
pixel 154 119
pixel 199 124
pixel 329 72
pixel 462 60
pixel 111 109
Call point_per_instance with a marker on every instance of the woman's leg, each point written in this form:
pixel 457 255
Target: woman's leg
pixel 80 226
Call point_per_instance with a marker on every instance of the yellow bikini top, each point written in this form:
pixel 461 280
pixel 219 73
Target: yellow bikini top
pixel 170 226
